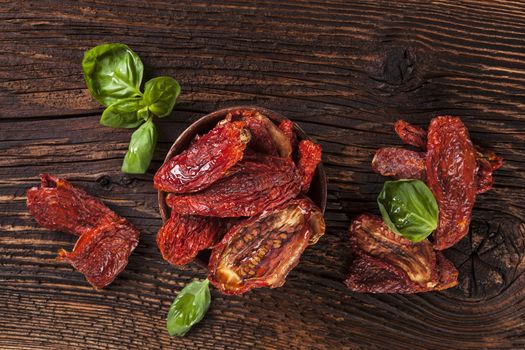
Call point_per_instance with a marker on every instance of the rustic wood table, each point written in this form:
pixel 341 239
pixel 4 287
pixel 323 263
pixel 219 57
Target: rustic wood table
pixel 345 71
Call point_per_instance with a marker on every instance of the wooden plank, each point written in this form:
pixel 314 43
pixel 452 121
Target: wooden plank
pixel 344 72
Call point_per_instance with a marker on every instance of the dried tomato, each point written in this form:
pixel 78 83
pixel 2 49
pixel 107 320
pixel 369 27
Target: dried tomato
pixel 259 183
pixel 266 137
pixel 182 237
pixel 262 250
pixel 399 163
pixel 451 175
pixel 106 240
pixel 57 205
pixel 389 263
pixel 488 161
pixel 205 161
pixel 309 159
pixel 102 253
pixel 411 134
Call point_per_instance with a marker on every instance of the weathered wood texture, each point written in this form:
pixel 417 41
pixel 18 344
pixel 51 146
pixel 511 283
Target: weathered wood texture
pixel 345 71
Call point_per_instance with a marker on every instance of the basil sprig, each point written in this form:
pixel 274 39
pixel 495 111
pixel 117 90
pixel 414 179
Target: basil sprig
pixel 113 74
pixel 188 308
pixel 409 208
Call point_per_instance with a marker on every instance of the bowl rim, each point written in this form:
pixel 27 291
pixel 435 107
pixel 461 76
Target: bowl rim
pixel 218 115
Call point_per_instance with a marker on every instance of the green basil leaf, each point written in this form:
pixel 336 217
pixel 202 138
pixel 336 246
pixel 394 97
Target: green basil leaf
pixel 409 208
pixel 112 72
pixel 123 114
pixel 140 149
pixel 160 95
pixel 188 308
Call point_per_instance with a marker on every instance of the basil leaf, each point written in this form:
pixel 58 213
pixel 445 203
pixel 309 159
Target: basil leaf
pixel 141 149
pixel 123 114
pixel 409 208
pixel 112 72
pixel 188 308
pixel 160 95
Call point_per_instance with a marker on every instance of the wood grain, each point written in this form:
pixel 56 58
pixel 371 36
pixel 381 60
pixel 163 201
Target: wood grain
pixel 345 71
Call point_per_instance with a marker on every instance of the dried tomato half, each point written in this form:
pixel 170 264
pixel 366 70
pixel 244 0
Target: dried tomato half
pixel 488 161
pixel 102 253
pixel 57 205
pixel 266 137
pixel 262 250
pixel 451 175
pixel 389 263
pixel 259 182
pixel 205 161
pixel 106 239
pixel 399 163
pixel 411 134
pixel 309 159
pixel 182 237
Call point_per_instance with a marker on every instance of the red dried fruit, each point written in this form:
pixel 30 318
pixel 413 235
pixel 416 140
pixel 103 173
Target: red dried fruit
pixel 488 161
pixel 205 161
pixel 106 240
pixel 389 263
pixel 262 250
pixel 309 159
pixel 259 183
pixel 411 134
pixel 102 253
pixel 451 175
pixel 57 205
pixel 266 137
pixel 399 163
pixel 286 126
pixel 182 237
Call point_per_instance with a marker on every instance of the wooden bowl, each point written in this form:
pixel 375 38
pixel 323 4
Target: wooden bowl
pixel 318 188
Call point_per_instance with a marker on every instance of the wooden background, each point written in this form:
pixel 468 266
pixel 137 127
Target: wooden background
pixel 345 71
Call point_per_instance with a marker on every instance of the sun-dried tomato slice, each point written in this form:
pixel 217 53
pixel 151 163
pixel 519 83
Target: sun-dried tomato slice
pixel 309 159
pixel 451 175
pixel 488 161
pixel 205 161
pixel 57 205
pixel 106 240
pixel 411 134
pixel 389 263
pixel 399 163
pixel 416 136
pixel 182 237
pixel 266 138
pixel 259 183
pixel 262 250
pixel 102 253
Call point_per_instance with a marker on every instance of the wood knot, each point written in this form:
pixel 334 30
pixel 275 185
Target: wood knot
pixel 490 258
pixel 399 68
pixel 398 65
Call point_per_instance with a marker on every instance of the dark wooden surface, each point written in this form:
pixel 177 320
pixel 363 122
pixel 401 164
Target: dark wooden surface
pixel 344 71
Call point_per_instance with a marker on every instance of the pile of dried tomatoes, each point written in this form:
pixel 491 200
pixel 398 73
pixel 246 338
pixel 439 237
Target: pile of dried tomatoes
pixel 240 190
pixel 455 171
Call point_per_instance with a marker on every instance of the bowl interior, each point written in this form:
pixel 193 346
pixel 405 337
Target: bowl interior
pixel 318 188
